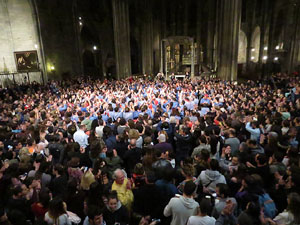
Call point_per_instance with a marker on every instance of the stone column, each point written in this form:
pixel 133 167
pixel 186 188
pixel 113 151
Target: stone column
pixel 121 38
pixel 264 36
pixel 230 19
pixel 198 37
pixel 249 32
pixel 294 45
pixel 193 60
pixel 211 27
pixel 147 37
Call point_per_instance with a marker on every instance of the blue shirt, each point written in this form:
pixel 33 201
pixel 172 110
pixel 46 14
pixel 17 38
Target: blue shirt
pixel 204 101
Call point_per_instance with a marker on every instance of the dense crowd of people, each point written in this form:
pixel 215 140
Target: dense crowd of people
pixel 140 151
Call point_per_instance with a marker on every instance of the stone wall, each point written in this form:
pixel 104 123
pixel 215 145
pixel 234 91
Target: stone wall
pixel 18 32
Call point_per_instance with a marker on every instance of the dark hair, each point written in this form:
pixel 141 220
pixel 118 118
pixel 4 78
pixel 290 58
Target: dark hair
pixel 204 155
pixel 56 208
pixel 252 142
pixel 214 164
pixel 189 188
pixel 94 211
pixel 262 159
pixel 44 198
pixel 150 177
pixel 278 155
pixel 253 210
pixel 95 149
pixel 294 206
pixel 122 122
pixel 223 189
pixel 59 168
pixel 203 139
pixel 95 193
pixel 205 206
pixel 17 190
pixel 113 195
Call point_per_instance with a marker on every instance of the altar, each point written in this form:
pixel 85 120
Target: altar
pixel 180 76
pixel 178 56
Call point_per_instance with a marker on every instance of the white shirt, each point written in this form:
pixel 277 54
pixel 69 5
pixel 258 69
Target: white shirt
pixel 81 138
pixel 61 220
pixel 99 131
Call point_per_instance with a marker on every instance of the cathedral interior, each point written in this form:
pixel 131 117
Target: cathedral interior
pixel 55 39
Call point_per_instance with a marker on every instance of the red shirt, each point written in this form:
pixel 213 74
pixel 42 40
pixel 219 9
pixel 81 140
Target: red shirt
pixel 38 210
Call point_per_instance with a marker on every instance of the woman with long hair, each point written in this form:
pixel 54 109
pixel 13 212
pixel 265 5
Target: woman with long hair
pixel 57 213
pixel 292 214
pixel 188 172
pixel 149 158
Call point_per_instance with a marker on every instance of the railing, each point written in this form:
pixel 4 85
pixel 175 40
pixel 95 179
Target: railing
pixel 8 79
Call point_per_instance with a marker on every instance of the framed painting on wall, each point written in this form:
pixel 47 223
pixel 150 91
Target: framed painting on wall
pixel 26 61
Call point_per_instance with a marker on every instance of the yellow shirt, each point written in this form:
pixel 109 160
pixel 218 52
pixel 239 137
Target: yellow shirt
pixel 125 195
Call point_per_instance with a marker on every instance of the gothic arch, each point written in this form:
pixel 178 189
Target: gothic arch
pixel 242 53
pixel 88 39
pixel 255 44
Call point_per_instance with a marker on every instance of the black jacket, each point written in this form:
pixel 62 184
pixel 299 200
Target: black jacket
pixel 119 216
pixel 183 144
pixel 148 201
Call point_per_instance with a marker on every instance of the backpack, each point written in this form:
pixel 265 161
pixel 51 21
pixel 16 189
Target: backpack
pixel 268 205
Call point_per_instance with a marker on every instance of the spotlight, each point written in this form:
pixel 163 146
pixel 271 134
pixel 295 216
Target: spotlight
pixel 252 57
pixel 79 18
pixel 266 48
pixel 276 58
pixel 95 47
pixel 265 57
pixel 80 23
pixel 253 49
pixel 52 68
pixel 36 46
pixel 277 47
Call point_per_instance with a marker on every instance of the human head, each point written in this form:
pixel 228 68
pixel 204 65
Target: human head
pixel 205 206
pixel 119 176
pixel 261 159
pixel 58 169
pixel 82 127
pixel 214 164
pixel 3 216
pixel 222 190
pixel 189 188
pixel 112 201
pixel 161 138
pixel 188 170
pixel 56 207
pixel 95 215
